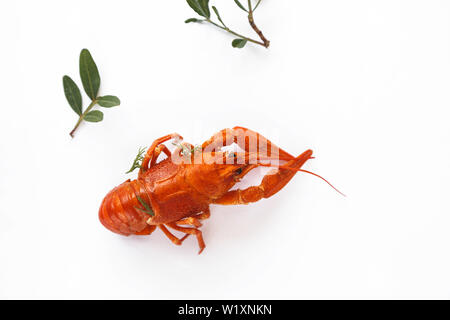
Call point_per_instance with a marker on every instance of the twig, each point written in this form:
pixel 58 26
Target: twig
pixel 266 43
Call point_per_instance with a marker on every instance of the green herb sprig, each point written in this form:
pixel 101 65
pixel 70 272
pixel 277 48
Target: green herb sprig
pixel 90 79
pixel 147 209
pixel 201 7
pixel 137 161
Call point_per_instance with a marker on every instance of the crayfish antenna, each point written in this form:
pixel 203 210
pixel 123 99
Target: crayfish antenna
pixel 302 170
pixel 320 177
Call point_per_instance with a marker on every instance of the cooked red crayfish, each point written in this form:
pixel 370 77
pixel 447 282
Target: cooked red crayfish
pixel 177 191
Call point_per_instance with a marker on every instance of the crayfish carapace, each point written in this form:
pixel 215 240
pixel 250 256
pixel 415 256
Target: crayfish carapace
pixel 177 191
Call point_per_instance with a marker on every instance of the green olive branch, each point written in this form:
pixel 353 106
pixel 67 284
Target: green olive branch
pixel 201 7
pixel 90 78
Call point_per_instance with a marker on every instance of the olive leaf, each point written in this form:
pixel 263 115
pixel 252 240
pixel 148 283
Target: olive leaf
pixel 195 6
pixel 192 20
pixel 205 6
pixel 73 95
pixel 240 5
pixel 201 7
pixel 89 74
pixel 108 101
pixel 94 116
pixel 218 16
pixel 239 43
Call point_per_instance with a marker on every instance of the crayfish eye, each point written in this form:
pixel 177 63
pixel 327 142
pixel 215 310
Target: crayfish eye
pixel 238 171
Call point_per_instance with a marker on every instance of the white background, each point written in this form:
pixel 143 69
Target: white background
pixel 365 84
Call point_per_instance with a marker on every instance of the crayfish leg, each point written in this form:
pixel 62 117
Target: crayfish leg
pixel 190 231
pixel 157 152
pixel 195 220
pixel 151 151
pixel 172 238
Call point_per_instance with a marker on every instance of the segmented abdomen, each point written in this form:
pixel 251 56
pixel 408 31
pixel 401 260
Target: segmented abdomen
pixel 118 211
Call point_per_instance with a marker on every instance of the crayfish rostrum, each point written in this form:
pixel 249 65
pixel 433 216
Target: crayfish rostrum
pixel 177 191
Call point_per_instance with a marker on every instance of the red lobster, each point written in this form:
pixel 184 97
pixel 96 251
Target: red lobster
pixel 177 191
